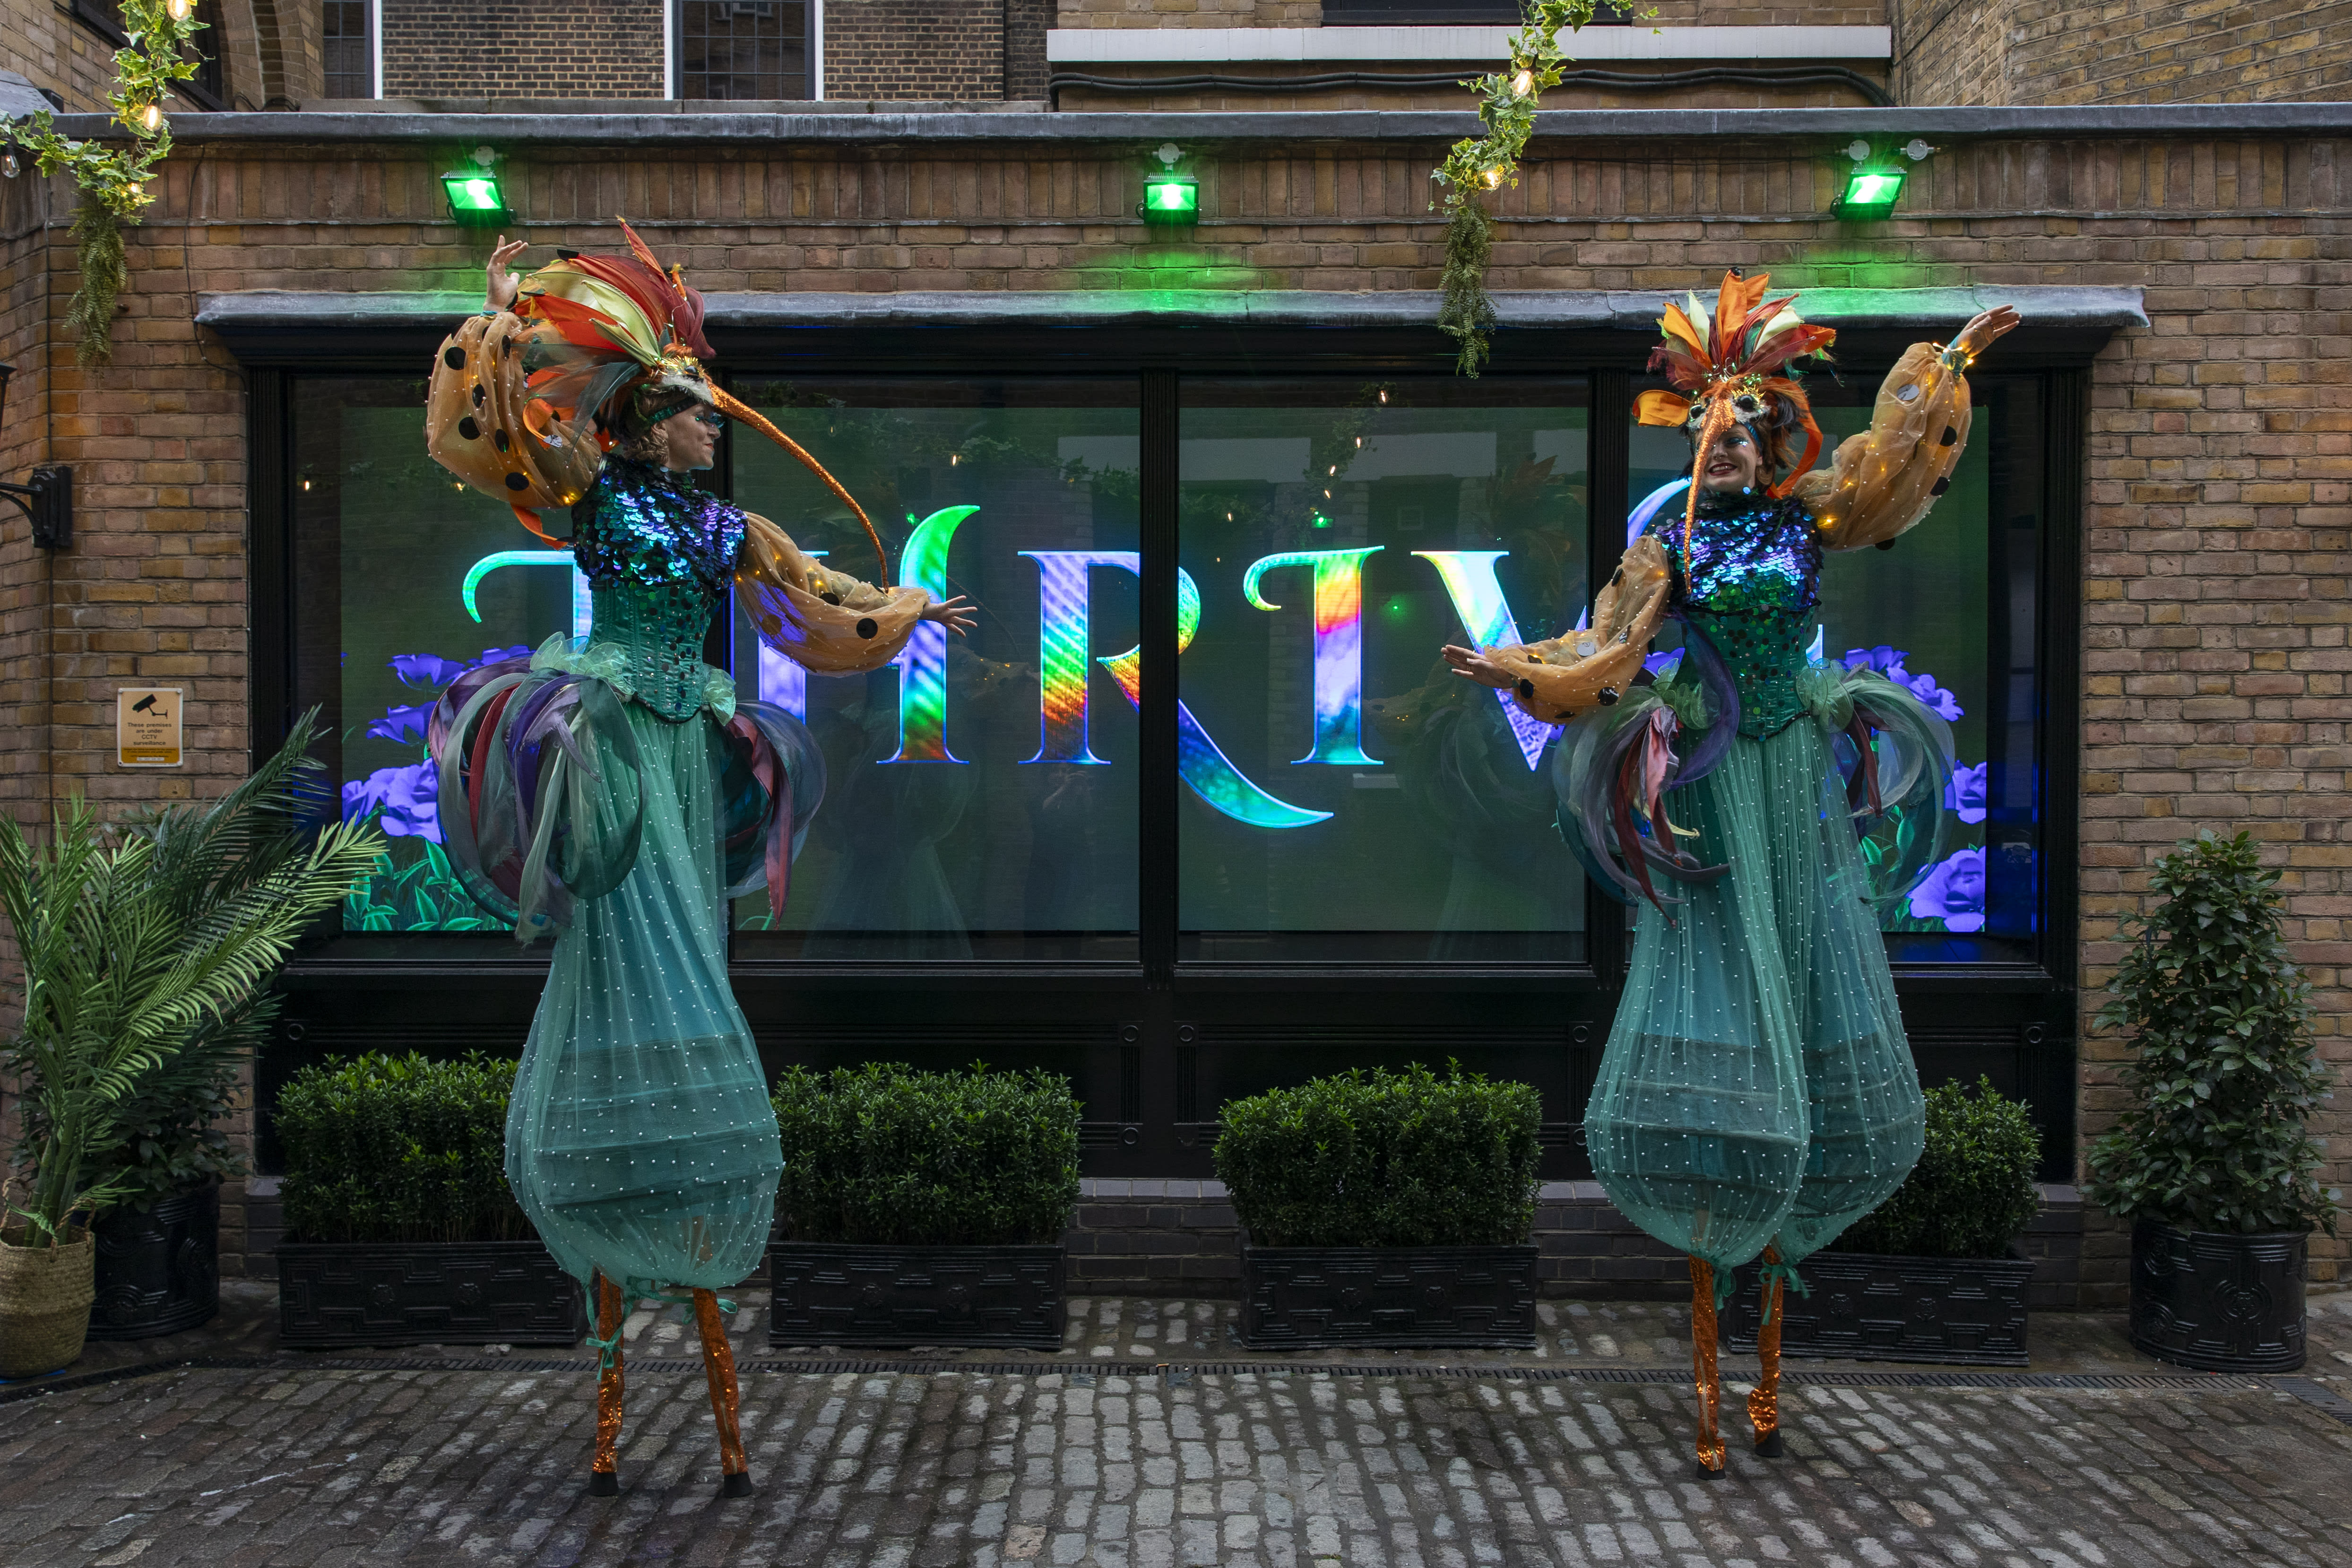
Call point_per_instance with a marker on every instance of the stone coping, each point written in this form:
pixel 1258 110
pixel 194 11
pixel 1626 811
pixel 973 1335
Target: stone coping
pixel 663 124
pixel 1477 46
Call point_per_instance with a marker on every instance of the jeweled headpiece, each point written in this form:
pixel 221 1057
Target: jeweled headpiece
pixel 1730 366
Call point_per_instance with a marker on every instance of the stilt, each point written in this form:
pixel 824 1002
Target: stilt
pixel 1764 1399
pixel 719 1367
pixel 603 1479
pixel 1710 1388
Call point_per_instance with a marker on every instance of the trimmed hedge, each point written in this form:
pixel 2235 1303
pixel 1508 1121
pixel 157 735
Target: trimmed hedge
pixel 884 1155
pixel 1972 1194
pixel 385 1148
pixel 1384 1159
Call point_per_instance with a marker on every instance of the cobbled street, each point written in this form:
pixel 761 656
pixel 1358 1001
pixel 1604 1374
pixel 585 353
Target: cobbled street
pixel 1153 1440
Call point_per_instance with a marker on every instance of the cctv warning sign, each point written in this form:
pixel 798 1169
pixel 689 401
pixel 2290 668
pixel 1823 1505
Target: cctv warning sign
pixel 147 726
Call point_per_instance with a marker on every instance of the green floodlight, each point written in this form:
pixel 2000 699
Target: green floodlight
pixel 1869 193
pixel 476 196
pixel 1171 197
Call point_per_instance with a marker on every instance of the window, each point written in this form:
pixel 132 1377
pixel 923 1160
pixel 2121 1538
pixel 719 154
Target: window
pixel 743 49
pixel 208 88
pixel 349 51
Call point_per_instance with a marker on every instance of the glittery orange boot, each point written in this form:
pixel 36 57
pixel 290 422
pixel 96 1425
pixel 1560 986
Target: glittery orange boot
pixel 1703 1370
pixel 603 1479
pixel 1764 1399
pixel 718 1368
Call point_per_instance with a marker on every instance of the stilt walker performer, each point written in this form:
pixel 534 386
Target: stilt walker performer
pixel 610 791
pixel 1757 1094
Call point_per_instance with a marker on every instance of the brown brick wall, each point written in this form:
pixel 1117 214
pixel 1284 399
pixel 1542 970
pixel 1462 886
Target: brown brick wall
pixel 942 51
pixel 565 48
pixel 2123 51
pixel 2218 461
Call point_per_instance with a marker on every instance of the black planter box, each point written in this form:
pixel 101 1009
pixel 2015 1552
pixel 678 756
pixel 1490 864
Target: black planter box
pixel 332 1294
pixel 1318 1298
pixel 158 1272
pixel 1958 1311
pixel 2217 1303
pixel 831 1294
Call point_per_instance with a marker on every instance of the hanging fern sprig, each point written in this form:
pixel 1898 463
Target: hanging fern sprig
pixel 1476 166
pixel 114 178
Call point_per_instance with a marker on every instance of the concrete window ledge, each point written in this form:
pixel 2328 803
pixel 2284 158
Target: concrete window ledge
pixel 1169 46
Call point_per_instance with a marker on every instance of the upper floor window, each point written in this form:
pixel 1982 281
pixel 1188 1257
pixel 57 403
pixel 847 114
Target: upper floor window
pixel 349 55
pixel 743 49
pixel 208 88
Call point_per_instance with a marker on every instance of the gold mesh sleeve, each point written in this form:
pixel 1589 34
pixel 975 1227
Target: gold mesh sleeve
pixel 1883 480
pixel 1557 679
pixel 483 426
pixel 825 620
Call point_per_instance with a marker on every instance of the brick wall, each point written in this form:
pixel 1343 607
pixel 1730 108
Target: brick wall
pixel 940 51
pixel 565 48
pixel 2123 51
pixel 2218 461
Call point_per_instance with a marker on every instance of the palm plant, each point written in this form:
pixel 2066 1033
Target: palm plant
pixel 147 951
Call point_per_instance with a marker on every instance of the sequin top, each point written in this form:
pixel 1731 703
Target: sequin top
pixel 1750 583
pixel 659 556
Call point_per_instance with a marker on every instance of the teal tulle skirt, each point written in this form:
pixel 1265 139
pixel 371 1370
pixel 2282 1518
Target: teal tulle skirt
pixel 1758 1087
pixel 640 1139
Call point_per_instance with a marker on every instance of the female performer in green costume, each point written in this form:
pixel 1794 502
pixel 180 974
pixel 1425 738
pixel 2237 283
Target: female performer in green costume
pixel 612 791
pixel 1757 1094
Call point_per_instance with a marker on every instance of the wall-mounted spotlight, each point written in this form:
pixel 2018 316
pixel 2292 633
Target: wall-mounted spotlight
pixel 478 195
pixel 1169 197
pixel 1875 185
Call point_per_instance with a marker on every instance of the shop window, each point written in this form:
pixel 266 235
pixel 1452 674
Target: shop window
pixel 742 50
pixel 1348 797
pixel 348 50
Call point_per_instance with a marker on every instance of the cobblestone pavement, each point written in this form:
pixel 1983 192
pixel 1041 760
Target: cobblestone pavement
pixel 421 1456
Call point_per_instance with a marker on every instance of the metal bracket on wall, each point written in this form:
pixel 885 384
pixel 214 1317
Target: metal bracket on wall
pixel 47 503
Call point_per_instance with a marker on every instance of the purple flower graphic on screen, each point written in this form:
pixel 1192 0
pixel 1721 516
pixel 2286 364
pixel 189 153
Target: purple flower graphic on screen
pixel 1965 795
pixel 1954 892
pixel 1663 666
pixel 426 671
pixel 1889 662
pixel 402 723
pixel 493 655
pixel 409 799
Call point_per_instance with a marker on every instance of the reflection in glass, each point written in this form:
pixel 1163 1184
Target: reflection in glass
pixel 981 795
pixel 1351 799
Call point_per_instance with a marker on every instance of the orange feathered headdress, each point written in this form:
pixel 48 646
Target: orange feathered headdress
pixel 1730 365
pixel 627 331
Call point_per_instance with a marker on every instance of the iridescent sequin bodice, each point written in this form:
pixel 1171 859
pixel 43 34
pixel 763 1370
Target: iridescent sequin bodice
pixel 1750 583
pixel 658 555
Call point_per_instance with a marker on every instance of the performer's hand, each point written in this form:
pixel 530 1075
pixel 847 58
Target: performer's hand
pixel 1980 333
pixel 1472 665
pixel 501 294
pixel 958 614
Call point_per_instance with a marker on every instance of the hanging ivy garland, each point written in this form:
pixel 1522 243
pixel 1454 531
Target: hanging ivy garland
pixel 113 179
pixel 1507 108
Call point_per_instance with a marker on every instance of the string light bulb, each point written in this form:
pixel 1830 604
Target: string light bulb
pixel 1493 178
pixel 1524 83
pixel 151 117
pixel 178 8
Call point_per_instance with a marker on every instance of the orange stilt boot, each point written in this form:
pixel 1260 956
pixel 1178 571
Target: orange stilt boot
pixel 1764 1399
pixel 719 1367
pixel 1703 1370
pixel 604 1477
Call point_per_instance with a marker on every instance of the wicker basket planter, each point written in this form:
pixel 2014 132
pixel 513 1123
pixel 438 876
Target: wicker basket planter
pixel 1954 1311
pixel 332 1294
pixel 2219 1303
pixel 839 1294
pixel 1318 1298
pixel 45 1296
pixel 158 1272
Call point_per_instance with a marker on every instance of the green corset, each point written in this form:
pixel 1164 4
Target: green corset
pixel 646 642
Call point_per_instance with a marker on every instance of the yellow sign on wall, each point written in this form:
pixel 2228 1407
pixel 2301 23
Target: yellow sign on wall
pixel 147 726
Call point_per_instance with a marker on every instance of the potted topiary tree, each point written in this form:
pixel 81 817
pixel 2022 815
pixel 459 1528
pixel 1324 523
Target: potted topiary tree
pixel 2211 1163
pixel 400 1228
pixel 145 950
pixel 922 1207
pixel 1933 1273
pixel 1385 1208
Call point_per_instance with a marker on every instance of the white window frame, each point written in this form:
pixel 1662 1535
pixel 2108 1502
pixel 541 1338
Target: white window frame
pixel 375 49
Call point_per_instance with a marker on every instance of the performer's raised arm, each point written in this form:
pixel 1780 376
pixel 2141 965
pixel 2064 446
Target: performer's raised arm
pixel 1881 482
pixel 822 617
pixel 1561 676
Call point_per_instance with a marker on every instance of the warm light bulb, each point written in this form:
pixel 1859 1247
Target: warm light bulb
pixel 8 166
pixel 1384 395
pixel 179 10
pixel 151 116
pixel 1524 83
pixel 1493 178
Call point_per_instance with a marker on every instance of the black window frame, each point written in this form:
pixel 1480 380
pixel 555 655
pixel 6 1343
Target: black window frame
pixel 811 76
pixel 206 95
pixel 1154 1046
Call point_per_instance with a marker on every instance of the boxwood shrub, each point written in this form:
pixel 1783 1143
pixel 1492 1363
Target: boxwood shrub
pixel 1384 1159
pixel 884 1155
pixel 399 1148
pixel 1972 1194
